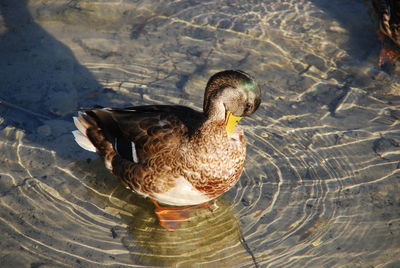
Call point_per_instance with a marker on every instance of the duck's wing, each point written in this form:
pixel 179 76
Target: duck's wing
pixel 138 132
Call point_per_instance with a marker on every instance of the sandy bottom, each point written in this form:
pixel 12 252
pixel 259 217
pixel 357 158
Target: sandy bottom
pixel 321 183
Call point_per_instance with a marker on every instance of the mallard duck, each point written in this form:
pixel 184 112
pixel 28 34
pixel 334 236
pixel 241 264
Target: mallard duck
pixel 173 154
pixel 388 17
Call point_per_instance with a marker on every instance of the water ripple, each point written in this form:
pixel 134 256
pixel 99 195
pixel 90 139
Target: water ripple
pixel 321 181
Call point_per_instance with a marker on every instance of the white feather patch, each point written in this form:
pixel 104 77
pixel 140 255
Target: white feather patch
pixel 183 194
pixel 134 154
pixel 83 141
pixel 79 125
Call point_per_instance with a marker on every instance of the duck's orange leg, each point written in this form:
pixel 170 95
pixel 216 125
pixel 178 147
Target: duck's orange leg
pixel 388 55
pixel 171 217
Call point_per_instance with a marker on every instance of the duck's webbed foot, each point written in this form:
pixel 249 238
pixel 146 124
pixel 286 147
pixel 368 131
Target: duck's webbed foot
pixel 171 217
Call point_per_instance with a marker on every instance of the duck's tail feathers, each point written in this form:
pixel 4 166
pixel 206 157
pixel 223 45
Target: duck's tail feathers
pixel 80 134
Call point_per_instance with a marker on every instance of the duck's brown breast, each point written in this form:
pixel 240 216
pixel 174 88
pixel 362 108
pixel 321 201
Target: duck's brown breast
pixel 213 162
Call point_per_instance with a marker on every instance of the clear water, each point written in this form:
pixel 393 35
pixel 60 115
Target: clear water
pixel 321 183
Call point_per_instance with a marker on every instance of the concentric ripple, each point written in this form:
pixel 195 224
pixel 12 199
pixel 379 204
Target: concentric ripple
pixel 321 182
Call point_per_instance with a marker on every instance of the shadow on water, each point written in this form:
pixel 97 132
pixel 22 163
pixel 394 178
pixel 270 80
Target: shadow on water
pixel 357 27
pixel 354 16
pixel 38 73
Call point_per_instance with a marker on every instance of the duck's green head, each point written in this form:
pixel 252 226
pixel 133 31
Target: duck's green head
pixel 231 95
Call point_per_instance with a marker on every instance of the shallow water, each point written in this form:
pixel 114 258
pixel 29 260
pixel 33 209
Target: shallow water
pixel 321 183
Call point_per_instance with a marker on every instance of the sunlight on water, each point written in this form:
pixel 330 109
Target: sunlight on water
pixel 321 182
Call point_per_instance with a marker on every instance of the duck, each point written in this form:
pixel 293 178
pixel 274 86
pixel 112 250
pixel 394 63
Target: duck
pixel 387 15
pixel 175 155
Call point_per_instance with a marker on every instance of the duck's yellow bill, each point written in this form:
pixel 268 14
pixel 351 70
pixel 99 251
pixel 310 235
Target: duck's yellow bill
pixel 231 121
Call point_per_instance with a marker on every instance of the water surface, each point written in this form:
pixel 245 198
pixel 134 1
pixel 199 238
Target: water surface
pixel 321 182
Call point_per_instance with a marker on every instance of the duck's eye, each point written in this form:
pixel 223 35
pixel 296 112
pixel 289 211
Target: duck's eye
pixel 248 108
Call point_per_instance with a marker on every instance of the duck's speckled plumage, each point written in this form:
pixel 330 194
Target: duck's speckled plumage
pixel 179 156
pixel 219 160
pixel 388 16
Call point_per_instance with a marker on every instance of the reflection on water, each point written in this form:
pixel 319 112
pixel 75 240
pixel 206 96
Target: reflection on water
pixel 321 183
pixel 211 233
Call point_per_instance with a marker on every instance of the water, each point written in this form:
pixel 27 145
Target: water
pixel 321 182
